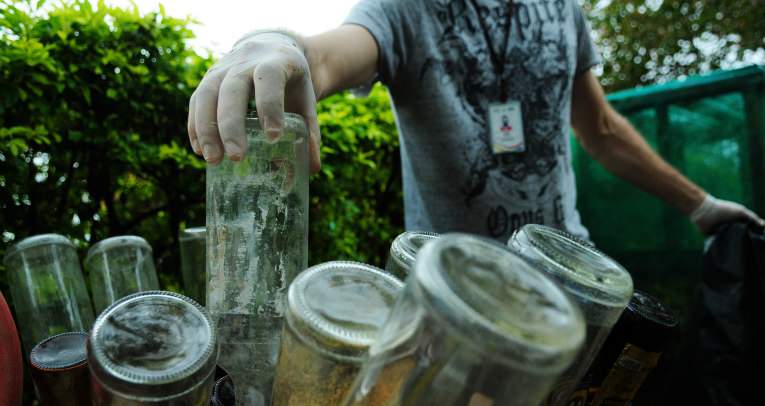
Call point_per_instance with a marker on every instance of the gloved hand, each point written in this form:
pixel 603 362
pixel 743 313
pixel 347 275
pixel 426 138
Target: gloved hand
pixel 272 67
pixel 713 212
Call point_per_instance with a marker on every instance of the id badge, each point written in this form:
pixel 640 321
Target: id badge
pixel 506 129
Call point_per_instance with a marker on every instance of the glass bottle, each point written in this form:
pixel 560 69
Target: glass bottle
pixel 59 369
pixel 47 288
pixel 120 266
pixel 599 285
pixel 257 242
pixel 334 311
pixel 192 243
pixel 475 325
pixel 153 348
pixel 631 351
pixel 403 252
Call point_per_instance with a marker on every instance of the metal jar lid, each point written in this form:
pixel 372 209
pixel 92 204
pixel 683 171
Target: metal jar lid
pixel 194 233
pixel 59 352
pixel 37 241
pixel 583 270
pixel 404 248
pixel 338 307
pixel 152 345
pixel 499 303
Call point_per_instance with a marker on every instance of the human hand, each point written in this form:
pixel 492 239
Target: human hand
pixel 272 67
pixel 713 212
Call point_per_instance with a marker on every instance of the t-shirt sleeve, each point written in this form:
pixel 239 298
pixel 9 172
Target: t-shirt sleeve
pixel 587 54
pixel 385 20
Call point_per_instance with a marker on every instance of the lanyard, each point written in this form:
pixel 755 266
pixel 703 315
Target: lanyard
pixel 498 64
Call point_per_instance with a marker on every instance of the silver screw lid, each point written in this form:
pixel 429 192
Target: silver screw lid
pixel 152 344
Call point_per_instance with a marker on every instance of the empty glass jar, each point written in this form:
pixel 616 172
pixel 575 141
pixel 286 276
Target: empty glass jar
pixel 599 285
pixel 403 252
pixel 257 242
pixel 193 242
pixel 334 311
pixel 475 325
pixel 47 288
pixel 120 266
pixel 153 348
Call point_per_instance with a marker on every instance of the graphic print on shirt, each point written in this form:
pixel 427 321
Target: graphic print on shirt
pixel 538 71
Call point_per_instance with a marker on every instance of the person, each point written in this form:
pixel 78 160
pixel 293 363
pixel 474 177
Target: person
pixel 453 68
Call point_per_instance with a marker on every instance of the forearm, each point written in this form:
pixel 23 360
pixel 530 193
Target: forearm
pixel 342 58
pixel 624 152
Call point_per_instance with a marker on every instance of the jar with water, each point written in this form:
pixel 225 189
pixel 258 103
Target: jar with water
pixel 257 242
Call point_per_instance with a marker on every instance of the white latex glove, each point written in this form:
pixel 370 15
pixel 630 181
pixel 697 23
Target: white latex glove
pixel 270 66
pixel 713 212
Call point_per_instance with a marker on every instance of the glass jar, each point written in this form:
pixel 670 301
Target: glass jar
pixel 47 288
pixel 475 325
pixel 599 285
pixel 257 242
pixel 403 252
pixel 632 351
pixel 59 369
pixel 193 245
pixel 334 311
pixel 153 348
pixel 120 266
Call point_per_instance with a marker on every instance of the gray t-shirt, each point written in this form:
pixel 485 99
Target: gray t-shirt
pixel 436 63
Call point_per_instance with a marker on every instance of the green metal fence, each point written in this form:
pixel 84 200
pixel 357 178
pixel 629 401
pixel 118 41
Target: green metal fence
pixel 712 129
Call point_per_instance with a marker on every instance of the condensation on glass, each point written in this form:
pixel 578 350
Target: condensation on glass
pixel 403 252
pixel 59 369
pixel 153 348
pixel 192 242
pixel 47 288
pixel 120 266
pixel 600 286
pixel 475 325
pixel 334 311
pixel 257 242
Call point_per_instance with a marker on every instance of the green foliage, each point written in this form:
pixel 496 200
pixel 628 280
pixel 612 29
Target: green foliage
pixel 650 41
pixel 93 104
pixel 356 199
pixel 92 126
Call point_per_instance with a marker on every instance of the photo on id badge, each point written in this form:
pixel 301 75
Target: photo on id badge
pixel 506 124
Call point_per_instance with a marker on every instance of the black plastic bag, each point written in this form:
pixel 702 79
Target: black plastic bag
pixel 725 345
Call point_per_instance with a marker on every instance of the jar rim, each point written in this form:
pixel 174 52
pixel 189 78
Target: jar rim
pixel 405 246
pixel 36 241
pixel 192 233
pixel 603 281
pixel 117 242
pixel 156 384
pixel 328 328
pixel 546 328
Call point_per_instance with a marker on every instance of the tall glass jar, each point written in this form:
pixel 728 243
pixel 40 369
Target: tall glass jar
pixel 475 325
pixel 152 348
pixel 193 241
pixel 47 288
pixel 120 266
pixel 334 311
pixel 403 252
pixel 257 242
pixel 600 286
